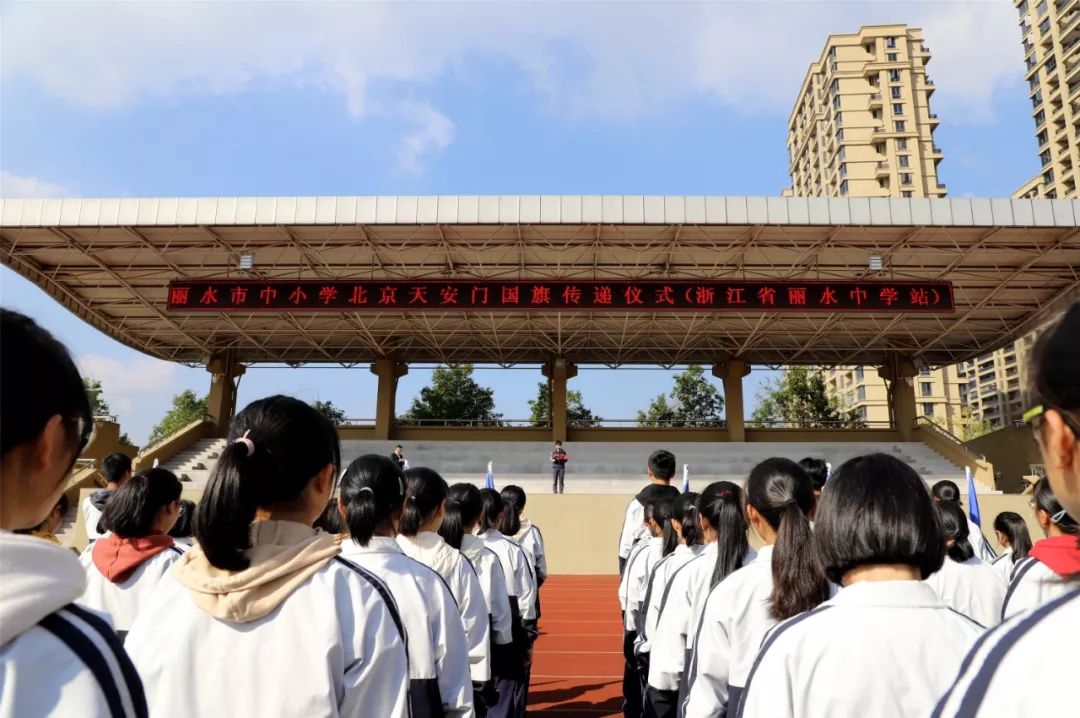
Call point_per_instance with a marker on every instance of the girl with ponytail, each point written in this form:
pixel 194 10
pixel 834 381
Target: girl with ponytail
pixel 965 582
pixel 266 595
pixel 371 502
pixel 785 579
pixel 723 531
pixel 524 532
pixel 1012 534
pixel 421 518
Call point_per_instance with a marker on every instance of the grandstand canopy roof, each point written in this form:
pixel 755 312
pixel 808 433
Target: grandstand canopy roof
pixel 1012 263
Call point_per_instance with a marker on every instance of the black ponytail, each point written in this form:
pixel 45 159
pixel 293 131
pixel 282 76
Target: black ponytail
pixel 955 527
pixel 464 504
pixel 686 513
pixel 132 508
pixel 721 507
pixel 491 515
pixel 425 491
pixel 185 522
pixel 663 510
pixel 780 490
pixel 372 490
pixel 1015 529
pixel 290 443
pixel 1045 500
pixel 514 499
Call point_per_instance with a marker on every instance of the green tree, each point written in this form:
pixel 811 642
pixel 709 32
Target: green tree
pixel 186 408
pixel 695 402
pixel 331 412
pixel 453 397
pixel 577 414
pixel 96 395
pixel 798 399
pixel 966 427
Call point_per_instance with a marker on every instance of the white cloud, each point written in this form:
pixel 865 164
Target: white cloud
pixel 582 60
pixel 13 186
pixel 127 383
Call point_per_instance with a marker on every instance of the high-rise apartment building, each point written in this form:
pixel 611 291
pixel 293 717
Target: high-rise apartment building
pixel 1051 37
pixel 862 124
pixel 994 383
pixel 939 395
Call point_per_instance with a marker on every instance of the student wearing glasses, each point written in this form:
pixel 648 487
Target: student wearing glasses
pixel 1036 643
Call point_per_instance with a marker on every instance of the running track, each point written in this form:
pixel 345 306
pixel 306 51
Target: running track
pixel 577 661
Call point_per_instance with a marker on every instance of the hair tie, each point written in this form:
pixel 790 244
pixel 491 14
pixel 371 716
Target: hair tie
pixel 247 442
pixel 1059 516
pixel 412 498
pixel 368 489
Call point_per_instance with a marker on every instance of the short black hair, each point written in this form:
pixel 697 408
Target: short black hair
pixel 877 510
pixel 1054 367
pixel 662 464
pixel 131 511
pixel 558 443
pixel 398 446
pixel 818 471
pixel 115 467
pixel 945 490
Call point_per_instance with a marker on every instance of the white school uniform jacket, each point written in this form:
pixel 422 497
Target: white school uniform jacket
pixel 657 590
pixel 675 626
pixel 489 571
pixel 633 528
pixel 530 539
pixel 1003 564
pixel 973 588
pixel 439 681
pixel 431 550
pixel 92 509
pixel 1015 669
pixel 519 576
pixel 979 542
pixel 733 622
pixel 1033 584
pixel 122 600
pixel 300 632
pixel 636 578
pixel 884 648
pixel 57 658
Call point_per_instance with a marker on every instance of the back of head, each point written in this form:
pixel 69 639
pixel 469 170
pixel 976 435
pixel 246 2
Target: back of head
pixel 514 499
pixel 38 380
pixel 131 511
pixel 464 504
pixel 954 527
pixel 945 490
pixel 686 513
pixel 662 464
pixel 372 491
pixel 1054 374
pixel 877 511
pixel 425 490
pixel 662 511
pixel 1045 501
pixel 116 467
pixel 817 470
pixel 185 522
pixel 1014 528
pixel 491 515
pixel 277 445
pixel 721 507
pixel 781 492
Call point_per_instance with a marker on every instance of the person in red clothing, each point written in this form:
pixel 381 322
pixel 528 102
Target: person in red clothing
pixel 558 468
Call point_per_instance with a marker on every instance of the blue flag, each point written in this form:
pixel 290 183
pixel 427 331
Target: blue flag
pixel 489 482
pixel 973 499
pixel 686 478
pixel 828 471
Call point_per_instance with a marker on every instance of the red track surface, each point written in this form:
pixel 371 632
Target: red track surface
pixel 577 661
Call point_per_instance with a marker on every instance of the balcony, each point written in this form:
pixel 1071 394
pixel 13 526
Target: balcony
pixel 874 101
pixel 936 153
pixel 933 119
pixel 881 169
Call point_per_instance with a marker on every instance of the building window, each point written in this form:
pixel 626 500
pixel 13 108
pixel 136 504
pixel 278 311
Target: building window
pixel 891 57
pixel 835 87
pixel 898 108
pixel 842 154
pixel 927 388
pixel 840 135
pixel 843 187
pixel 836 102
pixel 1044 26
pixel 890 42
pixel 903 160
pixel 869 49
pixel 1023 8
pixel 858 373
pixel 832 52
pixel 839 118
pixel 843 169
pixel 906 194
pixel 849 398
pixel 924 372
pixel 860 393
pixel 900 125
pixel 862 412
pixel 1040 117
pixel 901 144
pixel 1042 137
pixel 1040 9
pixel 895 91
pixel 905 178
pixel 928 409
pixel 894 76
pixel 1044 157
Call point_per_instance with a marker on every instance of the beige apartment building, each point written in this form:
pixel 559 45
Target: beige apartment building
pixel 862 125
pixel 939 394
pixel 1051 36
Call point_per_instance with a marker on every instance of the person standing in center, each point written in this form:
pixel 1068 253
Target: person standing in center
pixel 399 457
pixel 558 468
pixel 660 470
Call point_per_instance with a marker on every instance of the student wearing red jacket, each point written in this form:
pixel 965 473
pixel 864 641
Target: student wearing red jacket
pixel 558 468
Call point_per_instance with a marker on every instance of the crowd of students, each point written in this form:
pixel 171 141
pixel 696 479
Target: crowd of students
pixel 295 587
pixel 869 595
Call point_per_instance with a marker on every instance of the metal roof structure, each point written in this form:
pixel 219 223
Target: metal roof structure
pixel 1012 263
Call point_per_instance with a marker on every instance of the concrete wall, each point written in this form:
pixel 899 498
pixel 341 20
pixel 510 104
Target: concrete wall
pixel 1012 450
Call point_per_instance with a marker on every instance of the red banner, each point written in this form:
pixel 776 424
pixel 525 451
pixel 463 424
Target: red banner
pixel 563 295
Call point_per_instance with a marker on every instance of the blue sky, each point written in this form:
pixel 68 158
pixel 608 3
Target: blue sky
pixel 248 98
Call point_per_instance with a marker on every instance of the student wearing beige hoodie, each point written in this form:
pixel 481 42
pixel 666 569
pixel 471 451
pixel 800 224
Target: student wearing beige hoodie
pixel 262 616
pixel 56 658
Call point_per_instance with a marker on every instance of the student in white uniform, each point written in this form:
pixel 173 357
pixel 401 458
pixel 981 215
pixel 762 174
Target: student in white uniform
pixel 425 507
pixel 885 645
pixel 117 469
pixel 964 582
pixel 785 579
pixel 1027 665
pixel 724 531
pixel 124 566
pixel 523 531
pixel 663 514
pixel 513 684
pixel 944 491
pixel 464 505
pixel 1011 532
pixel 1052 562
pixel 660 470
pixel 56 658
pixel 263 616
pixel 372 495
pixel 686 527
